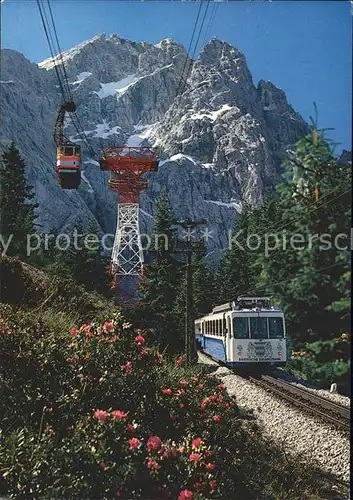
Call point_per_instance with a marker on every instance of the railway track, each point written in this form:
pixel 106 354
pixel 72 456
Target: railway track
pixel 318 406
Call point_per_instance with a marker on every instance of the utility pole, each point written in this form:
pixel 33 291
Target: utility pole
pixel 190 341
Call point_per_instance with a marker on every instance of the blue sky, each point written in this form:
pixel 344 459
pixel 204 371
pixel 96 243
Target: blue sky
pixel 303 47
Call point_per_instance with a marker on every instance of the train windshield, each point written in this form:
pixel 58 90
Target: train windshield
pixel 258 328
pixel 276 329
pixel 241 328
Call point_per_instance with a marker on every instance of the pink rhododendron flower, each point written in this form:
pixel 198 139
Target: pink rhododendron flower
pixel 180 361
pixel 217 418
pixel 182 405
pixel 130 428
pixel 196 443
pixel 154 443
pixel 119 415
pixel 144 351
pixel 86 327
pixel 168 392
pixel 211 467
pixel 114 339
pixel 227 405
pixel 73 331
pixel 101 415
pixel 134 443
pixel 186 495
pixel 152 464
pixel 127 367
pixel 108 326
pixel 208 453
pixel 139 340
pixel 194 457
pixel 213 484
pixel 183 383
pixel 75 359
pixel 221 387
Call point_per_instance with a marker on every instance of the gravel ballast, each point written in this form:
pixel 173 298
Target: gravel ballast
pixel 295 430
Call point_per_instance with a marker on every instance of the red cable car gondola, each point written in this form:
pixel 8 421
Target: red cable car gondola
pixel 68 158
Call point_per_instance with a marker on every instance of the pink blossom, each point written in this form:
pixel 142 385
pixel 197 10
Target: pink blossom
pixel 73 332
pixel 194 457
pixel 186 495
pixel 181 405
pixel 180 361
pixel 213 484
pixel 134 443
pixel 221 387
pixel 211 467
pixel 130 428
pixel 108 326
pixel 139 340
pixel 152 464
pixel 101 415
pixel 196 443
pixel 114 339
pixel 119 415
pixel 127 367
pixel 183 383
pixel 86 327
pixel 217 418
pixel 154 443
pixel 168 392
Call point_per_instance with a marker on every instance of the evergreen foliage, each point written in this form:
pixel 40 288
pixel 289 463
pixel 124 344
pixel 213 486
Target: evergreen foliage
pixel 159 292
pixel 17 213
pixel 83 260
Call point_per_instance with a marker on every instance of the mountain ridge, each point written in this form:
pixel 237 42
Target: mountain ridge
pixel 220 139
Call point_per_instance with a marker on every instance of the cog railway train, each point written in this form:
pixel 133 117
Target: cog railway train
pixel 248 333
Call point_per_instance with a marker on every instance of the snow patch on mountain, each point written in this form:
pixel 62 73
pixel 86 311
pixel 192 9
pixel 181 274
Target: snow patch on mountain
pixel 212 115
pixel 136 140
pixel 81 77
pixel 232 204
pixel 113 88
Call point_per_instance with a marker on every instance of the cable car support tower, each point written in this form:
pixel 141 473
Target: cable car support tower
pixel 126 166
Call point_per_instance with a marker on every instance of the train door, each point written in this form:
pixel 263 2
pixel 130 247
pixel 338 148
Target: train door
pixel 228 336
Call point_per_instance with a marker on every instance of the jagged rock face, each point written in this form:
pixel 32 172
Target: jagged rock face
pixel 220 139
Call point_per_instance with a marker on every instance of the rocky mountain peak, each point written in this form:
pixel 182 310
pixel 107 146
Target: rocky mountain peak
pixel 220 139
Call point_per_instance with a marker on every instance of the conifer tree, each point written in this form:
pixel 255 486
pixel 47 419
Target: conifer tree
pixel 311 278
pixel 17 213
pixel 159 293
pixel 236 275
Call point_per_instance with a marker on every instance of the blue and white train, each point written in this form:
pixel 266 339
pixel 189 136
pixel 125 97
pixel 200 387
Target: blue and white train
pixel 244 332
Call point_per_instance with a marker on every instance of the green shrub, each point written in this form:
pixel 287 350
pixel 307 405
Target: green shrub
pixel 98 413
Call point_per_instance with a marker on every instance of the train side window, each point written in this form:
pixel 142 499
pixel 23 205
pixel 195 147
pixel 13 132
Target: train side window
pixel 77 150
pixel 258 328
pixel 224 326
pixel 69 151
pixel 275 327
pixel 216 327
pixel 220 326
pixel 241 327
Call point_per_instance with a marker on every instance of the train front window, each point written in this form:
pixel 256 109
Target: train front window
pixel 258 328
pixel 69 151
pixel 241 328
pixel 275 327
